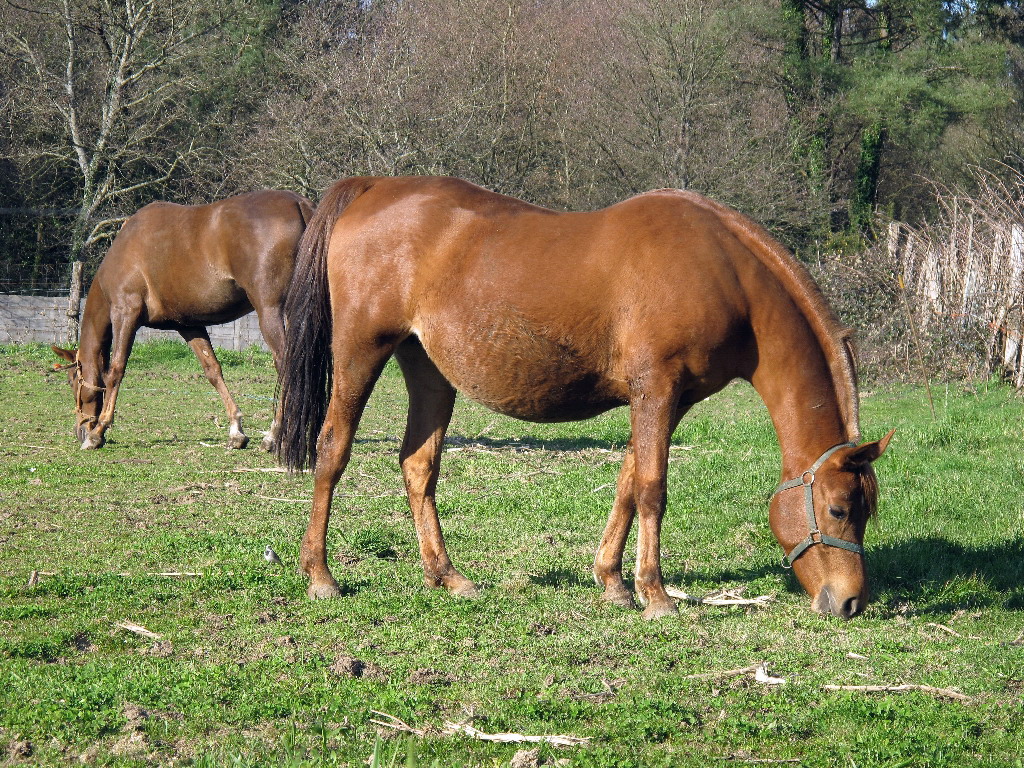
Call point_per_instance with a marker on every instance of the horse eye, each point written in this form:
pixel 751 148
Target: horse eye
pixel 838 514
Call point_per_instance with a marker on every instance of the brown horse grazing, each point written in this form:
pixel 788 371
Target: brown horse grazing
pixel 656 303
pixel 182 268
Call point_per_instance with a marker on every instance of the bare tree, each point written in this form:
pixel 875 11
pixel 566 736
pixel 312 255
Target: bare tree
pixel 105 95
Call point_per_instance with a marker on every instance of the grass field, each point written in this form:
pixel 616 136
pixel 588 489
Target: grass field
pixel 247 671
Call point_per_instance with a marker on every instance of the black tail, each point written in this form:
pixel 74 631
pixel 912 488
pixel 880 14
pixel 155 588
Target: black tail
pixel 304 385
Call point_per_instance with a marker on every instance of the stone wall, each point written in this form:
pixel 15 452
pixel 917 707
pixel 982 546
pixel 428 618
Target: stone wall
pixel 44 318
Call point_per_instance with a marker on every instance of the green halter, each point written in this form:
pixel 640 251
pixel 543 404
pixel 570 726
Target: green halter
pixel 806 479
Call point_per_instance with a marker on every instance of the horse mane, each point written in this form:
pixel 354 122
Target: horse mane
pixel 836 340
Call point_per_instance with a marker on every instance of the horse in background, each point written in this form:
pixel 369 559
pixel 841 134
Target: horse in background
pixel 656 302
pixel 182 268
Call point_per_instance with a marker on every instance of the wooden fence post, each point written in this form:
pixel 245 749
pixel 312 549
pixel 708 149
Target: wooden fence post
pixel 74 304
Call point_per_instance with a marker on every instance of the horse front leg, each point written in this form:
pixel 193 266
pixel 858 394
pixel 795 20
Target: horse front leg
pixel 199 340
pixel 272 328
pixel 608 560
pixel 431 401
pixel 125 324
pixel 652 417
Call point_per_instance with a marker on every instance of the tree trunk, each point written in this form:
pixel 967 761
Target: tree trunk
pixel 74 304
pixel 865 180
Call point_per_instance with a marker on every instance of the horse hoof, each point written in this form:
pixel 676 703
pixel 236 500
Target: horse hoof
pixel 463 587
pixel 619 595
pixel 660 611
pixel 92 443
pixel 268 444
pixel 238 441
pixel 324 590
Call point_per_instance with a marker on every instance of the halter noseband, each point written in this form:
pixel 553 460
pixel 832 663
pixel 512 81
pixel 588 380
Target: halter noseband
pixel 806 479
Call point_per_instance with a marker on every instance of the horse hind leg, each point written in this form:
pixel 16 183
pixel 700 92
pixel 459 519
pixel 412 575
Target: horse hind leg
pixel 431 400
pixel 350 391
pixel 199 340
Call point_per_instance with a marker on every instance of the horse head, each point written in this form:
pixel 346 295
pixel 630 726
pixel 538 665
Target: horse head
pixel 819 519
pixel 88 397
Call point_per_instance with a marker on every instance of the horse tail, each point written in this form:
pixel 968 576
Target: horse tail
pixel 305 210
pixel 304 384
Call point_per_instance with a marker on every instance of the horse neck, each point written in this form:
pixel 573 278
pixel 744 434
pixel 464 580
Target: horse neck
pixel 94 342
pixel 794 379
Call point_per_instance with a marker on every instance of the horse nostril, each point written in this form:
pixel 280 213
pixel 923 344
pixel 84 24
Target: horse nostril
pixel 851 607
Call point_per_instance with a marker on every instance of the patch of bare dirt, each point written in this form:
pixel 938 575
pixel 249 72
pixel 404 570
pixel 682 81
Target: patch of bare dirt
pixel 133 743
pixel 429 677
pixel 18 750
pixel 350 666
pixel 82 643
pixel 161 649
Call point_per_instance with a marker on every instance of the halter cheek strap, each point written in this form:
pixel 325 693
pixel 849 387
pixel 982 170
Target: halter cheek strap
pixel 806 480
pixel 80 382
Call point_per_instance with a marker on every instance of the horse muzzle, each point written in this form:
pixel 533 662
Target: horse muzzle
pixel 84 434
pixel 838 604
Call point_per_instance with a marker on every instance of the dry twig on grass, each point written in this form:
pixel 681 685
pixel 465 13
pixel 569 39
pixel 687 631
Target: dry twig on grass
pixel 288 501
pixel 465 729
pixel 762 675
pixel 724 673
pixel 759 672
pixel 137 629
pixel 721 597
pixel 944 628
pixel 744 757
pixel 946 693
pixel 36 576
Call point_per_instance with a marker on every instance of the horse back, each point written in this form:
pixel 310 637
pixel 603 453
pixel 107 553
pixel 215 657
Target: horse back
pixel 529 310
pixel 208 263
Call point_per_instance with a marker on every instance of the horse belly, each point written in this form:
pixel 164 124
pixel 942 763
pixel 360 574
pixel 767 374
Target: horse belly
pixel 198 303
pixel 527 375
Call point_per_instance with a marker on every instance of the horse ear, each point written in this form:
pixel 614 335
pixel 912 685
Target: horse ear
pixel 67 354
pixel 865 453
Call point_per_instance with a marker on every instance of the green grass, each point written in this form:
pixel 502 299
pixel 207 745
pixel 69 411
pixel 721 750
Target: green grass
pixel 249 672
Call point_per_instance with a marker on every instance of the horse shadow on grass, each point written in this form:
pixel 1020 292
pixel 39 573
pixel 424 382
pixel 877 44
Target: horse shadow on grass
pixel 945 576
pixel 923 576
pixel 561 577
